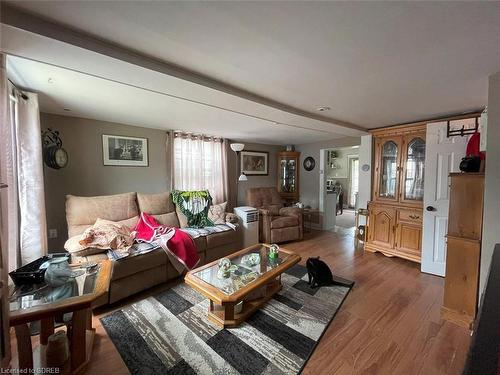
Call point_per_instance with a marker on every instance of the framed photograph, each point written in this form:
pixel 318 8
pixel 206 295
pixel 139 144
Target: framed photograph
pixel 254 163
pixel 119 150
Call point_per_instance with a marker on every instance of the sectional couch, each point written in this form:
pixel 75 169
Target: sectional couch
pixel 134 274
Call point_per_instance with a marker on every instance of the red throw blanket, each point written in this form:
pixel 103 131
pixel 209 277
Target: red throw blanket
pixel 175 242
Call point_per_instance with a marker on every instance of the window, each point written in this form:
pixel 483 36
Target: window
pixel 200 164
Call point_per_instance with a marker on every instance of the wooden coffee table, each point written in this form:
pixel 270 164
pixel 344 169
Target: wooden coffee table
pixel 248 287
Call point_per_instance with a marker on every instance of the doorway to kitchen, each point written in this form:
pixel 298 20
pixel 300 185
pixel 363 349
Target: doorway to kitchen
pixel 339 186
pixel 353 162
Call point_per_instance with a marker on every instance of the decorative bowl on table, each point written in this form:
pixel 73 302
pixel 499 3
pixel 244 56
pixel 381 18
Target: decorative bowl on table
pixel 225 268
pixel 251 259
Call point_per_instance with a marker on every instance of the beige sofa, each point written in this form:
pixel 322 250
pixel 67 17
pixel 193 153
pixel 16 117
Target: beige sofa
pixel 135 274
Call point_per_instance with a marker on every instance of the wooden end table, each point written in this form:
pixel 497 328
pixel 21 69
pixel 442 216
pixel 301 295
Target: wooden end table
pixel 252 286
pixel 43 303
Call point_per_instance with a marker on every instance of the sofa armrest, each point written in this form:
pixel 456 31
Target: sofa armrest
pixel 291 211
pixel 264 212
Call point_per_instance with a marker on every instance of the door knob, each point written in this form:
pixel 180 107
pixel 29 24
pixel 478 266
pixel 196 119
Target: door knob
pixel 430 208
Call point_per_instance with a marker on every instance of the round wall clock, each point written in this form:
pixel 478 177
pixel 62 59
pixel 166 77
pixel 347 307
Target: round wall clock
pixel 309 163
pixel 365 167
pixel 54 155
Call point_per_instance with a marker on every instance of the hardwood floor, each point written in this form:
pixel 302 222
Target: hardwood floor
pixel 389 324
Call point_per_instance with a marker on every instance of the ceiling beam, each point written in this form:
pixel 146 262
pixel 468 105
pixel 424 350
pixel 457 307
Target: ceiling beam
pixel 29 22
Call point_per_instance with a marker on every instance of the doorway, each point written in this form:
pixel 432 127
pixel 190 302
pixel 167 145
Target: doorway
pixel 352 201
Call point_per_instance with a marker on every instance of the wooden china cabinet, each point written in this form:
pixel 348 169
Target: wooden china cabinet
pixel 395 211
pixel 288 176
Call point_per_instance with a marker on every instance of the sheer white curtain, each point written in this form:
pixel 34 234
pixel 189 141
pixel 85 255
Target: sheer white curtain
pixel 21 168
pixel 10 218
pixel 200 163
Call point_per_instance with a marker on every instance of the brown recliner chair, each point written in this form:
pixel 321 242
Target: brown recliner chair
pixel 277 223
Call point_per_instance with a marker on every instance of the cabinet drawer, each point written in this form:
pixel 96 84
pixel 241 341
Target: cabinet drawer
pixel 412 216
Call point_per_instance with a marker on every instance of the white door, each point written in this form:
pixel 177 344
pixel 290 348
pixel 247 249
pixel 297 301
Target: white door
pixel 442 156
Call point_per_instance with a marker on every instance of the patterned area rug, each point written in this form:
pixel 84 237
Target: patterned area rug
pixel 170 333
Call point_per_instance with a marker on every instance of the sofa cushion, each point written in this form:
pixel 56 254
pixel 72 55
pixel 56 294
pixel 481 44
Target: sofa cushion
pixel 201 243
pixel 170 219
pixel 130 265
pixel 160 206
pixel 284 222
pixel 274 209
pixel 82 212
pixel 220 239
pixel 155 204
pixel 263 196
pixel 137 282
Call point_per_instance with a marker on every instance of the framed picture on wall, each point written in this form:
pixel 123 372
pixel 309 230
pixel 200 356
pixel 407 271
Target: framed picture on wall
pixel 254 163
pixel 119 150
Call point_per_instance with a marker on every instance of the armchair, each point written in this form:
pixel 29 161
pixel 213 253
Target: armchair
pixel 277 223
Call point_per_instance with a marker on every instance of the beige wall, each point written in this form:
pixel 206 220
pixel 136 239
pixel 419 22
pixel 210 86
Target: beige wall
pixel 253 181
pixel 85 173
pixel 309 181
pixel 491 220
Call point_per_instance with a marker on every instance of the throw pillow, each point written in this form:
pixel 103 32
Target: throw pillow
pixel 194 206
pixel 217 213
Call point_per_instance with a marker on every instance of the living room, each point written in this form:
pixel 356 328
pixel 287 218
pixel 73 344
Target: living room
pixel 171 172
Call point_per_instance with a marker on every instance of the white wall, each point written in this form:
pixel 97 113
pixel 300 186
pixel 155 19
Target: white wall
pixel 309 181
pixel 491 219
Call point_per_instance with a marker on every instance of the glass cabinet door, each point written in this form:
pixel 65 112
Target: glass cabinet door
pixel 413 184
pixel 288 183
pixel 388 170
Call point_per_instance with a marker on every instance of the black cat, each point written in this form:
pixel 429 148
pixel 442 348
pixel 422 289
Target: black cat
pixel 319 274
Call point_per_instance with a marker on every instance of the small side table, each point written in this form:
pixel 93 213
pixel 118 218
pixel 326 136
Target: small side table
pixel 363 212
pixel 307 214
pixel 43 303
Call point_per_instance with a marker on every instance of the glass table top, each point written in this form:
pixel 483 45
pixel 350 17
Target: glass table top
pixel 243 270
pixel 81 283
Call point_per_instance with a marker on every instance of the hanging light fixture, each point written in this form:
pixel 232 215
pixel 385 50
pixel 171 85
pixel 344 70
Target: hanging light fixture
pixel 238 147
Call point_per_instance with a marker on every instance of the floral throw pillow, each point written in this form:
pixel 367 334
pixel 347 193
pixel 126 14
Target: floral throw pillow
pixel 194 205
pixel 217 213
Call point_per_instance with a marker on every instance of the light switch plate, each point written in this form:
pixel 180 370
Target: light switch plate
pixel 52 233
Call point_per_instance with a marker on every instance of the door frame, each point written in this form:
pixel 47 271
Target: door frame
pixel 350 159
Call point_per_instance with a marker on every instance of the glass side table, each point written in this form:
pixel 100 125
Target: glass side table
pixel 44 303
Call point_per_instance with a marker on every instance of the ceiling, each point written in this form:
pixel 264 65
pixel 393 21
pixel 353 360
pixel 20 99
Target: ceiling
pixel 373 63
pixel 91 97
